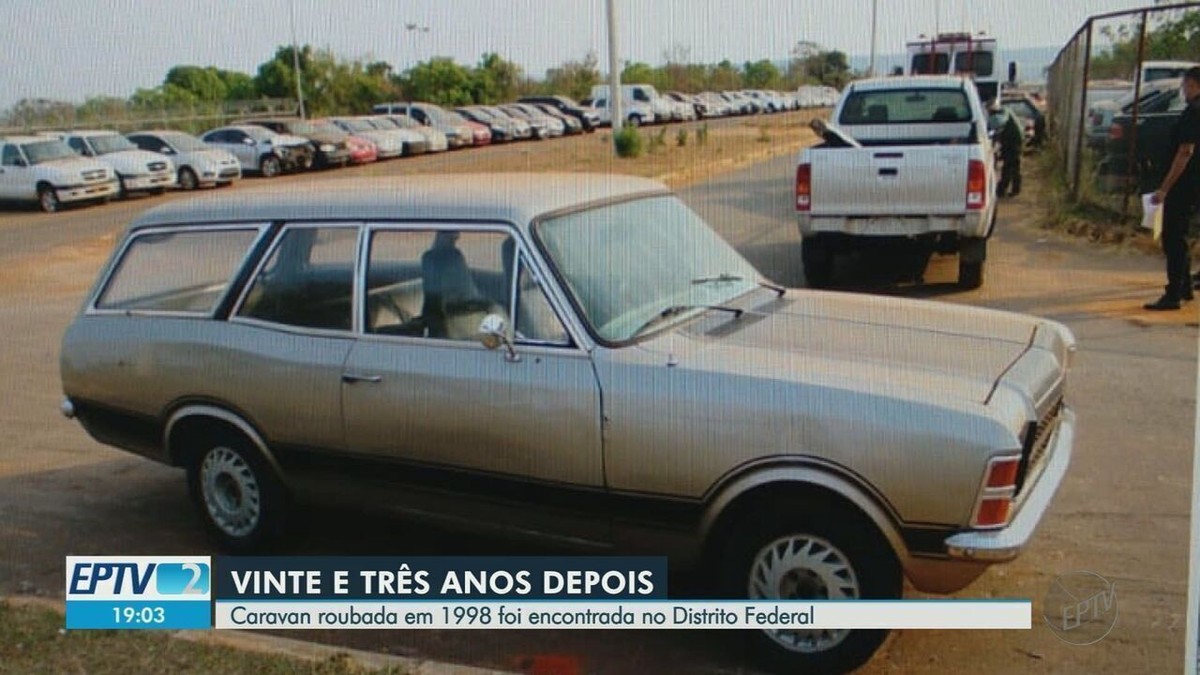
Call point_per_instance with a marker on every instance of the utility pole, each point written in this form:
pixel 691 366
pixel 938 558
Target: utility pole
pixel 874 22
pixel 296 58
pixel 614 73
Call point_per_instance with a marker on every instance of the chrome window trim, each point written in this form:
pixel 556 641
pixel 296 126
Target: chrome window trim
pixel 110 269
pixel 262 262
pixel 522 251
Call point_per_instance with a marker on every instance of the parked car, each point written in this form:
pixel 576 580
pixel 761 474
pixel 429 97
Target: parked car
pixel 137 170
pixel 571 125
pixel 362 151
pixel 791 443
pixel 389 143
pixel 197 164
pixel 262 150
pixel 330 145
pixel 714 105
pixel 436 140
pixel 458 132
pixel 415 142
pixel 636 114
pixel 642 95
pixel 481 134
pixel 1100 115
pixel 502 129
pixel 544 126
pixel 1154 150
pixel 586 115
pixel 1029 114
pixel 47 171
pixel 522 128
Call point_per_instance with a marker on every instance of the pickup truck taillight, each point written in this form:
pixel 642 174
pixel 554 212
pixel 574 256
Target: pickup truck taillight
pixel 804 187
pixel 1116 132
pixel 976 185
pixel 999 489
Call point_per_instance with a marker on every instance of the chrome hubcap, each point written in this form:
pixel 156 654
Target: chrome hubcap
pixel 803 567
pixel 231 492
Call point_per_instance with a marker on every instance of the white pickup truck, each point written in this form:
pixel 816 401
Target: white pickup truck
pixel 907 158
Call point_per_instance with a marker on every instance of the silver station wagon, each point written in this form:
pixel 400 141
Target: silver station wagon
pixel 572 358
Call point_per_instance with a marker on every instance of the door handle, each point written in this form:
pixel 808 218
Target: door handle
pixel 352 378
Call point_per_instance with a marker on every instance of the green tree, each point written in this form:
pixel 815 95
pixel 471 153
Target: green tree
pixel 205 84
pixel 761 75
pixel 1171 35
pixel 495 80
pixel 574 78
pixel 439 80
pixel 724 77
pixel 641 73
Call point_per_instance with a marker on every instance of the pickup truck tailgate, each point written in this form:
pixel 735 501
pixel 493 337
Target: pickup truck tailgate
pixel 889 181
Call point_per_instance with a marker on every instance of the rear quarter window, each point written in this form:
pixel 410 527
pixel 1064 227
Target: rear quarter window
pixel 176 271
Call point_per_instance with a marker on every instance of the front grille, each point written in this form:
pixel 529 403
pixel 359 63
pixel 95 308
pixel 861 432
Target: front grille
pixel 228 173
pixel 157 166
pixel 1037 442
pixel 95 174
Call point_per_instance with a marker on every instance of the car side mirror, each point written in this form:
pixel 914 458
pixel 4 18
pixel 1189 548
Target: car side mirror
pixel 493 333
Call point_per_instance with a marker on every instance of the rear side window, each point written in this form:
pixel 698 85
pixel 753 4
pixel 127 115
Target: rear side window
pixel 179 271
pixel 308 282
pixel 906 107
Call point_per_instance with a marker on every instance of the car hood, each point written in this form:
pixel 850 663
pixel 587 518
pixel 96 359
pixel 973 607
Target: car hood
pixel 133 161
pixel 214 156
pixel 869 344
pixel 288 139
pixel 70 166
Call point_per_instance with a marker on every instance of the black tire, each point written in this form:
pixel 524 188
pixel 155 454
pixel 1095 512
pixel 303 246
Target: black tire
pixel 832 542
pixel 269 166
pixel 188 179
pixel 818 263
pixel 971 258
pixel 48 199
pixel 635 121
pixel 238 497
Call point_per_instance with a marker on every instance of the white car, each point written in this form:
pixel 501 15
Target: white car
pixel 636 114
pixel 262 150
pixel 437 140
pixel 197 163
pixel 49 171
pixel 137 170
pixel 388 144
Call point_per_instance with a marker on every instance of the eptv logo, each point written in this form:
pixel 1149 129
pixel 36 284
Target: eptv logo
pixel 139 578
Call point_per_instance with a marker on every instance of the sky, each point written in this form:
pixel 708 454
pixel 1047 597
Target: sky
pixel 73 49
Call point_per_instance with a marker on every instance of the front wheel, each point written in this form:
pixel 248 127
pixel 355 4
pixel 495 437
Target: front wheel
pixel 811 550
pixel 269 166
pixel 48 199
pixel 187 179
pixel 237 496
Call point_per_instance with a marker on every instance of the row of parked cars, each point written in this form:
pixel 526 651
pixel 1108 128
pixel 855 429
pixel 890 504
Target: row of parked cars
pixel 54 168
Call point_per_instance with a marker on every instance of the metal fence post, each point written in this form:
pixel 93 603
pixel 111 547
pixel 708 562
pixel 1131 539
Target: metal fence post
pixel 1137 99
pixel 1079 132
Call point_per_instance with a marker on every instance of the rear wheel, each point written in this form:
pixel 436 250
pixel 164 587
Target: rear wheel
pixel 818 262
pixel 810 549
pixel 971 258
pixel 187 179
pixel 48 199
pixel 239 498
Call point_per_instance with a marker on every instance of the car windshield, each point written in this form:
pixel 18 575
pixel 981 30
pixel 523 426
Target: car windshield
pixel 324 127
pixel 259 134
pixel 47 151
pixel 614 261
pixel 114 143
pixel 358 125
pixel 301 128
pixel 184 142
pixel 444 116
pixel 404 122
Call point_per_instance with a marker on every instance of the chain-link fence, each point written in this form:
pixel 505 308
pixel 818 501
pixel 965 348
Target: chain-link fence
pixel 1113 94
pixel 31 116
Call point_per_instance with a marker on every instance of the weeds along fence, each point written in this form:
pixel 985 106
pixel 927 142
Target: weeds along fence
pixel 1099 97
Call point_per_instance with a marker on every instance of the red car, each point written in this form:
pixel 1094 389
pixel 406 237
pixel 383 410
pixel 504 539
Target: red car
pixel 481 134
pixel 362 151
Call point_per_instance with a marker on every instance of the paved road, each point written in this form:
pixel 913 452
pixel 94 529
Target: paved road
pixel 1123 512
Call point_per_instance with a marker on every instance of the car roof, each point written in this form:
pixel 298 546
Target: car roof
pixel 927 81
pixel 512 197
pixel 25 138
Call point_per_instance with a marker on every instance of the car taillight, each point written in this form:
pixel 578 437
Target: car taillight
pixel 976 185
pixel 1116 132
pixel 804 187
pixel 999 489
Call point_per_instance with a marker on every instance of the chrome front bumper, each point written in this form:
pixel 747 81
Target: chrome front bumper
pixel 991 546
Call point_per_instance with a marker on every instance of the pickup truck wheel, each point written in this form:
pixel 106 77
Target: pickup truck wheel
pixel 269 166
pixel 818 263
pixel 238 497
pixel 811 551
pixel 47 199
pixel 970 263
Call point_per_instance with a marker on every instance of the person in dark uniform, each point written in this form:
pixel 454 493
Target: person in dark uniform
pixel 1012 143
pixel 1179 195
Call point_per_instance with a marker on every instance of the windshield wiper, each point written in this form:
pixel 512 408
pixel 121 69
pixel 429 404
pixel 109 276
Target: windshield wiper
pixel 675 310
pixel 722 277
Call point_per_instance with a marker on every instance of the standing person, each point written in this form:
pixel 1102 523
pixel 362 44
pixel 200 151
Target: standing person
pixel 1179 194
pixel 1012 142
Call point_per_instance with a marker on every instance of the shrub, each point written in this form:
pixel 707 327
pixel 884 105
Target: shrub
pixel 702 134
pixel 681 137
pixel 628 142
